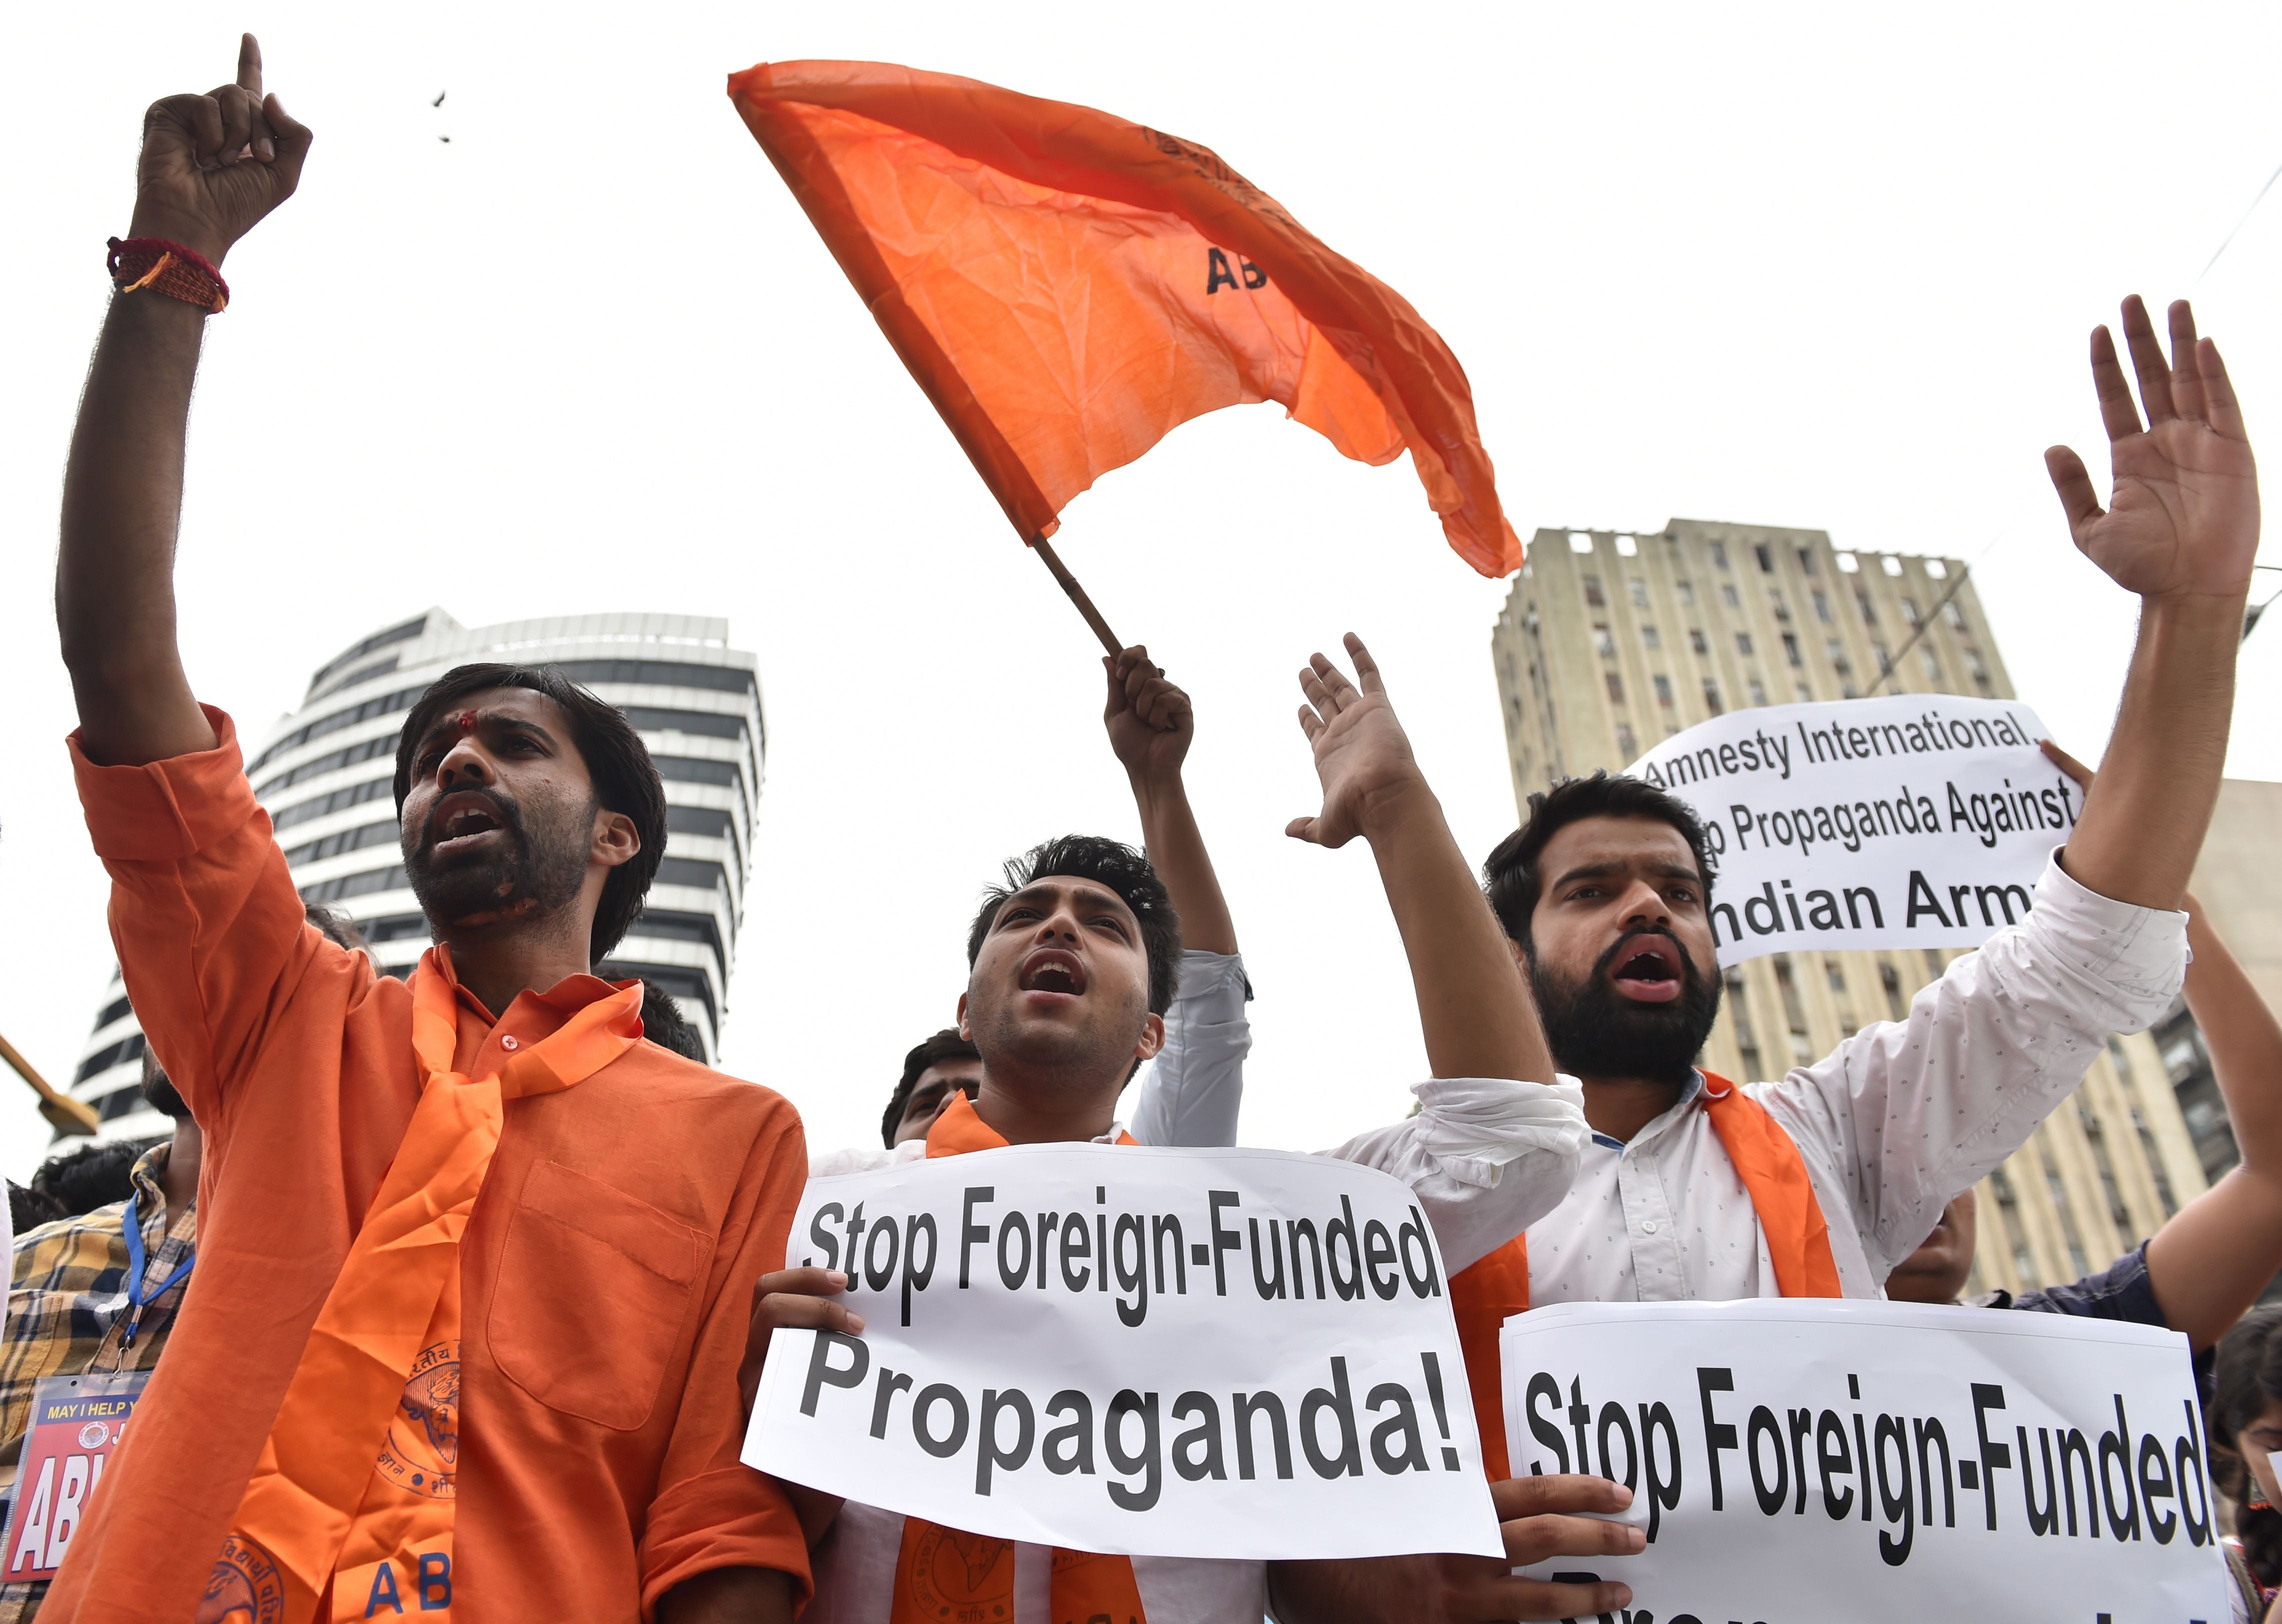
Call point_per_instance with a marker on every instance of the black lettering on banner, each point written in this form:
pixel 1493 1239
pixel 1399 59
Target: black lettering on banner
pixel 915 1277
pixel 1995 1457
pixel 1077 1248
pixel 1242 1407
pixel 1717 1434
pixel 2155 1484
pixel 1217 275
pixel 1928 1434
pixel 1048 1225
pixel 1580 1416
pixel 1377 1251
pixel 855 1233
pixel 1270 1290
pixel 1227 1240
pixel 1135 1279
pixel 1922 900
pixel 1206 1432
pixel 1402 1426
pixel 1770 1495
pixel 1146 1461
pixel 1543 1428
pixel 890 1383
pixel 1340 1401
pixel 1160 1226
pixel 1802 1428
pixel 1253 276
pixel 1663 1493
pixel 987 1452
pixel 1012 1227
pixel 1298 1230
pixel 1893 1496
pixel 1614 1418
pixel 824 1237
pixel 821 1372
pixel 1831 1458
pixel 1077 1434
pixel 952 1442
pixel 434 1581
pixel 877 1274
pixel 970 1233
pixel 1343 1228
pixel 2074 1446
pixel 1433 1367
pixel 1424 1280
pixel 2190 1448
pixel 2044 1518
pixel 2115 1460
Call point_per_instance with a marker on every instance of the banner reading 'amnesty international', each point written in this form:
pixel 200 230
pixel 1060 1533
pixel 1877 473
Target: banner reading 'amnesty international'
pixel 1182 1353
pixel 1885 1462
pixel 1911 821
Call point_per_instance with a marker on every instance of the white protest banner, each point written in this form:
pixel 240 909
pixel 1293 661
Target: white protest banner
pixel 1910 820
pixel 1797 1460
pixel 1144 1352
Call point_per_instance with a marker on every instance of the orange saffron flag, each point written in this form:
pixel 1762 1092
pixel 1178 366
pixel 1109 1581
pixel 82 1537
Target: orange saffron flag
pixel 1067 287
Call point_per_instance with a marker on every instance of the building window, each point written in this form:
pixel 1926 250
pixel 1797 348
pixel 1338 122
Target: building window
pixel 1580 541
pixel 1640 592
pixel 1833 973
pixel 1627 746
pixel 1909 609
pixel 1592 593
pixel 1775 605
pixel 1931 661
pixel 1790 648
pixel 1663 690
pixel 1711 697
pixel 1978 666
pixel 1806 561
pixel 1805 694
pixel 1885 659
pixel 1626 546
pixel 1836 650
pixel 1728 595
pixel 1766 559
pixel 1719 554
pixel 1697 640
pixel 1615 688
pixel 1848 563
pixel 1953 612
pixel 1892 981
pixel 1744 644
pixel 1758 693
pixel 1687 590
pixel 1739 1011
pixel 1603 643
pixel 1891 564
pixel 1650 638
pixel 1822 607
pixel 1869 610
pixel 1937 569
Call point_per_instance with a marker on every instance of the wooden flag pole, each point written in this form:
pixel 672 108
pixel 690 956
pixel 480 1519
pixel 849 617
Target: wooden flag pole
pixel 1109 643
pixel 64 1114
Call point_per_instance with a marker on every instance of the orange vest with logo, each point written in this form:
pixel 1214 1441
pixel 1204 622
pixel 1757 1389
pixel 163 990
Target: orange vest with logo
pixel 1487 1294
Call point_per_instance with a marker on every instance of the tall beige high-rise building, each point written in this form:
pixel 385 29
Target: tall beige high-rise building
pixel 1612 641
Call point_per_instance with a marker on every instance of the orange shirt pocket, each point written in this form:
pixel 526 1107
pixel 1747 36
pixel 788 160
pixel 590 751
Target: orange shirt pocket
pixel 593 1287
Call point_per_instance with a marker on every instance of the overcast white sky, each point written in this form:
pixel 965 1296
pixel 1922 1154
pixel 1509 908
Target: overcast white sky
pixel 1782 265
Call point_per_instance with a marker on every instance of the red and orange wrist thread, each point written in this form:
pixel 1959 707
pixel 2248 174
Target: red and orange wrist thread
pixel 166 266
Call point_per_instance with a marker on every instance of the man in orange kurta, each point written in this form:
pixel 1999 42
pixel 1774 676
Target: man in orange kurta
pixel 576 1215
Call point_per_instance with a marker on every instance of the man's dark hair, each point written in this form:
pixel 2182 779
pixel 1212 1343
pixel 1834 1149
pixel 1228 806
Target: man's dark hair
pixel 946 1044
pixel 1107 863
pixel 29 1209
pixel 663 1025
pixel 626 780
pixel 91 1176
pixel 1510 877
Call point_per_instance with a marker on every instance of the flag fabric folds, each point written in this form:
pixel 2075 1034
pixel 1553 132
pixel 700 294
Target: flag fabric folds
pixel 1067 287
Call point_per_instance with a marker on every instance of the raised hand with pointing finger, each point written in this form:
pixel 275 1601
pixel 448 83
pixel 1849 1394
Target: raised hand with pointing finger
pixel 211 166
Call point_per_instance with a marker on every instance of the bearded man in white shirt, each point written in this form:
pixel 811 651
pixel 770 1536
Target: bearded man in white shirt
pixel 1605 898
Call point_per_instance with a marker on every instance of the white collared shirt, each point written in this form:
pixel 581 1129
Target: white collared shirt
pixel 1485 1157
pixel 1891 1125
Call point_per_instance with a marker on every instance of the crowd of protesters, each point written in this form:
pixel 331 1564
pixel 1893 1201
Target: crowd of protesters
pixel 499 1222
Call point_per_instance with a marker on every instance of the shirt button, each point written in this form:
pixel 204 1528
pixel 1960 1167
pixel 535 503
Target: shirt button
pixel 1649 1228
pixel 508 1042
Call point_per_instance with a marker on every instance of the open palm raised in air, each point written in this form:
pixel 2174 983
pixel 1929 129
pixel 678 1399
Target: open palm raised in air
pixel 2182 518
pixel 1362 754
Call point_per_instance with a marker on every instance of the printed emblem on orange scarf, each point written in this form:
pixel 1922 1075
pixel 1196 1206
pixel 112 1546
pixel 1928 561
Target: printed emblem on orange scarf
pixel 944 1576
pixel 356 1481
pixel 1487 1292
pixel 1069 287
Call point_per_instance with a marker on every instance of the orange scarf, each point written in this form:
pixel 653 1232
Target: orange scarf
pixel 946 1577
pixel 1484 1294
pixel 355 1486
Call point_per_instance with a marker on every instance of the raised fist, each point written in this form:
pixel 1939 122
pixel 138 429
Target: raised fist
pixel 214 165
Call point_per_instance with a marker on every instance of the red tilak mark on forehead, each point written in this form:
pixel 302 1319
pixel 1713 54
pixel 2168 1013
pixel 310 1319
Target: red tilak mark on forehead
pixel 467 721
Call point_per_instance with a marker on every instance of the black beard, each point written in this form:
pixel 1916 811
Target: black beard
pixel 535 871
pixel 158 1092
pixel 1593 1032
